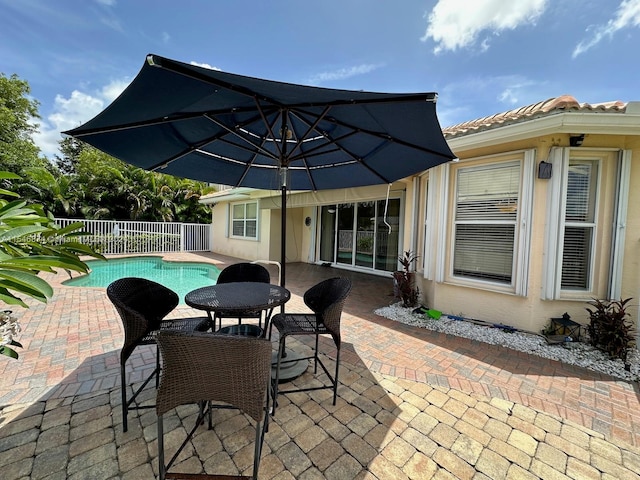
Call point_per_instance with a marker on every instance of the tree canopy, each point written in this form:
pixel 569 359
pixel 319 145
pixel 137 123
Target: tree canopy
pixel 83 182
pixel 18 116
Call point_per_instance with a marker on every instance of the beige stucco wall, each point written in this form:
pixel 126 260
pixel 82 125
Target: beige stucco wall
pixel 528 312
pixel 531 312
pixel 294 234
pixel 240 248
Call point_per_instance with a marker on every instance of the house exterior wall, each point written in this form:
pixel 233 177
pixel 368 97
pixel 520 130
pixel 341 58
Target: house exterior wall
pixel 301 239
pixel 247 249
pixel 427 220
pixel 442 291
pixel 295 223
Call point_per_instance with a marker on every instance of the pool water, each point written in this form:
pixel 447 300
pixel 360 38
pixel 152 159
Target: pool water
pixel 181 277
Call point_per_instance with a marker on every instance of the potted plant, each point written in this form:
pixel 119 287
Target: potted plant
pixel 404 281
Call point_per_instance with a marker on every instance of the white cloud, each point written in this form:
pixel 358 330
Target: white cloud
pixel 112 90
pixel 343 73
pixel 479 96
pixel 508 96
pixel 70 112
pixel 204 65
pixel 455 24
pixel 627 15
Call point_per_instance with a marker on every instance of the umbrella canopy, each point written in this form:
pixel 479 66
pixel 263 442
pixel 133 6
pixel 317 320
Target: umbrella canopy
pixel 218 127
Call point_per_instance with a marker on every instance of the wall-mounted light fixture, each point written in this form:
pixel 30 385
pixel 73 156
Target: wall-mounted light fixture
pixel 544 170
pixel 576 140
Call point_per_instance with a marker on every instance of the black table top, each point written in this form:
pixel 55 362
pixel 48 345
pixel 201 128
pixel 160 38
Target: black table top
pixel 238 296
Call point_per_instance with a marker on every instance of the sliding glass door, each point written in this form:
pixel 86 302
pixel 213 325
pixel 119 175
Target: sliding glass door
pixel 360 234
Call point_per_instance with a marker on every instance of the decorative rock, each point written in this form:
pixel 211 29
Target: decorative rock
pixel 574 353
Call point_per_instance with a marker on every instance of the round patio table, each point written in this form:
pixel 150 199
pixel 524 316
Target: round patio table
pixel 238 297
pixel 242 296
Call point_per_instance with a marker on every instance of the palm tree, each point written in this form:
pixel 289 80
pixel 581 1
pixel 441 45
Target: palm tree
pixel 58 191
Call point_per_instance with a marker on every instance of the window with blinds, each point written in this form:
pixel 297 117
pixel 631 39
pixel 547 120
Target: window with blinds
pixel 244 221
pixel 579 224
pixel 486 212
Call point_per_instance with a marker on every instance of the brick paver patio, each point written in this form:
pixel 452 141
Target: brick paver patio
pixel 412 404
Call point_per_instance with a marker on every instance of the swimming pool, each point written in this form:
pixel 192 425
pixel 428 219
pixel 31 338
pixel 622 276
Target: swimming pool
pixel 181 277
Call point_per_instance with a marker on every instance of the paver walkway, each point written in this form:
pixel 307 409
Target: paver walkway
pixel 412 404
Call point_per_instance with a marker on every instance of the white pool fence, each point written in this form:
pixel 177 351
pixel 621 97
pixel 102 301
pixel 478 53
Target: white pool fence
pixel 122 237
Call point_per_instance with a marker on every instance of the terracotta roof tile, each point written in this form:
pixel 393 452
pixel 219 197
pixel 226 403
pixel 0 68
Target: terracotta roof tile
pixel 550 106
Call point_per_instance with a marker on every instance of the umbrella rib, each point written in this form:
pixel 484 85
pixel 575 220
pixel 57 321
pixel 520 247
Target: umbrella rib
pixel 354 159
pixel 257 147
pixel 269 127
pixel 251 163
pixel 311 127
pixel 303 155
pixel 383 136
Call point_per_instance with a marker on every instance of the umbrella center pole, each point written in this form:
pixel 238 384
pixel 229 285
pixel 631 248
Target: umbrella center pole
pixel 295 365
pixel 283 223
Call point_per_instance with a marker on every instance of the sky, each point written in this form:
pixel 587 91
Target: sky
pixel 481 56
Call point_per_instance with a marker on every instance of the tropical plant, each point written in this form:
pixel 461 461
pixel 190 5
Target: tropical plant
pixel 31 243
pixel 610 328
pixel 405 280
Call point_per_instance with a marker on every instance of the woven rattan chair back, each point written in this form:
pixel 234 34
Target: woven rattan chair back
pixel 326 300
pixel 141 304
pixel 201 367
pixel 244 272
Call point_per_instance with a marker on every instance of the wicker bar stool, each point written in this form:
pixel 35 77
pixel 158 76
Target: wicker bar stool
pixel 326 300
pixel 214 371
pixel 142 305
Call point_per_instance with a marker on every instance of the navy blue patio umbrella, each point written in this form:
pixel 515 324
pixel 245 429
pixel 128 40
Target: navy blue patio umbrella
pixel 217 127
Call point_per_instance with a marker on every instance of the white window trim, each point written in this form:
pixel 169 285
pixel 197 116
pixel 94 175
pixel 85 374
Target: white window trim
pixel 520 280
pixel 558 158
pixel 620 225
pixel 429 240
pixel 554 236
pixel 442 211
pixel 230 220
pixel 523 253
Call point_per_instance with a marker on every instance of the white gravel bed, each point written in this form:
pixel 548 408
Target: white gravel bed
pixel 574 353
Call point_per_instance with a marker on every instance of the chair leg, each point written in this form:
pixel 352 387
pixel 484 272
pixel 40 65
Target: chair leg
pixel 257 451
pixel 335 379
pixel 157 366
pixel 123 388
pixel 270 328
pixel 161 466
pixel 277 379
pixel 315 356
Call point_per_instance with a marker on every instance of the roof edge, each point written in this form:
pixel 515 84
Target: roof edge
pixel 552 106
